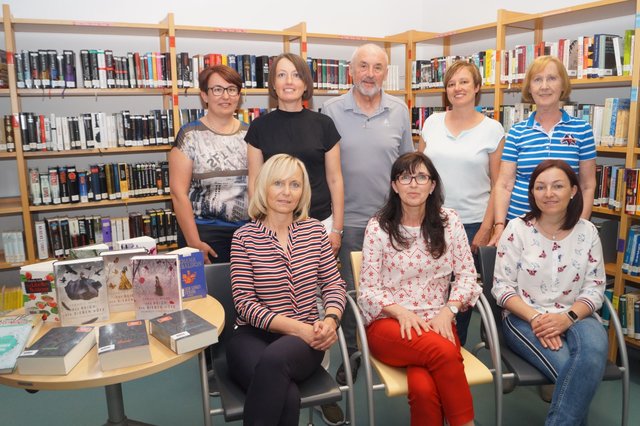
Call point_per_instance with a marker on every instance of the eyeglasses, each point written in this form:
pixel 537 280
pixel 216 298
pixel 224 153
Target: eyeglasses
pixel 219 90
pixel 420 179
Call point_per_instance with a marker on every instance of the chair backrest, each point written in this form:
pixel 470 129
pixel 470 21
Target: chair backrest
pixel 218 276
pixel 487 258
pixel 356 264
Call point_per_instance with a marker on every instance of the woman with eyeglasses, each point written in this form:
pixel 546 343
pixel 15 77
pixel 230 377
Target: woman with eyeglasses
pixel 208 169
pixel 548 133
pixel 308 135
pixel 465 145
pixel 411 249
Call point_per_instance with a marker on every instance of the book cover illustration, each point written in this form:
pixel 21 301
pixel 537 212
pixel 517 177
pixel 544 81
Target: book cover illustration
pixel 156 285
pixel 119 278
pixel 13 338
pixel 122 335
pixel 192 277
pixel 82 294
pixel 39 290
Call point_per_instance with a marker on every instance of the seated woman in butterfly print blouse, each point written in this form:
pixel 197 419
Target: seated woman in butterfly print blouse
pixel 549 277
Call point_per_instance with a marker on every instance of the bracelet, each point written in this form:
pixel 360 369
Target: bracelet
pixel 498 223
pixel 337 231
pixel 534 317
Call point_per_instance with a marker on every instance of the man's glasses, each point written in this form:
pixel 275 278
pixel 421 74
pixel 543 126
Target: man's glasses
pixel 420 179
pixel 219 90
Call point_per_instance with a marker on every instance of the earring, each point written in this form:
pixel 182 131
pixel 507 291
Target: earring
pixel 571 197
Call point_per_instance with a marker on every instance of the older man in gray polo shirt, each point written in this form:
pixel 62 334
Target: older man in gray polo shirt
pixel 375 130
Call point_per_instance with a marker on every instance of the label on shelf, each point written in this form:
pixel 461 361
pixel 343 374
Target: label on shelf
pixel 634 94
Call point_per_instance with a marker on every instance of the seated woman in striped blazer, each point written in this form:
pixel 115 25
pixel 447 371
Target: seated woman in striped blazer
pixel 277 262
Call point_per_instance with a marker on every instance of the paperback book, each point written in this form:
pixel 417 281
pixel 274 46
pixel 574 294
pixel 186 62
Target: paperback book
pixel 119 278
pixel 156 285
pixel 82 294
pixel 85 252
pixel 13 339
pixel 39 290
pixel 147 243
pixel 33 320
pixel 192 277
pixel 123 344
pixel 183 331
pixel 57 352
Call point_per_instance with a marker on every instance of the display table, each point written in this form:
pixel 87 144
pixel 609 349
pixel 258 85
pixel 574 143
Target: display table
pixel 87 374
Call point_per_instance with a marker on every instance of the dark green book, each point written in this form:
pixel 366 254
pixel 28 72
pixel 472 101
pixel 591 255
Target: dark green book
pixel 183 331
pixel 57 352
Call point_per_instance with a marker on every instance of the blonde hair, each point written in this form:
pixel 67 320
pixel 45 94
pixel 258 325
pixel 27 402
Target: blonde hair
pixel 538 66
pixel 280 166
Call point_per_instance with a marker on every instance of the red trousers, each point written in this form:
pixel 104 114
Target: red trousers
pixel 438 387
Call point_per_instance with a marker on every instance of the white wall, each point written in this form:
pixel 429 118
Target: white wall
pixel 354 17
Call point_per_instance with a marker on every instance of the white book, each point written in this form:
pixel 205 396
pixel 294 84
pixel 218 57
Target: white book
pixel 41 240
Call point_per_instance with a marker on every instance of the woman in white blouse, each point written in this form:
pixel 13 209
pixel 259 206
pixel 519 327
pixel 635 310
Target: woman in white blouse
pixel 550 279
pixel 411 249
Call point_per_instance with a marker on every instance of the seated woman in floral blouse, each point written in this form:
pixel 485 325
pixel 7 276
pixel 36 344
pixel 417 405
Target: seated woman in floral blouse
pixel 411 249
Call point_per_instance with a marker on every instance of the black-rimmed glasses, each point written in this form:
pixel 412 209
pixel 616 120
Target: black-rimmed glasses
pixel 219 90
pixel 420 179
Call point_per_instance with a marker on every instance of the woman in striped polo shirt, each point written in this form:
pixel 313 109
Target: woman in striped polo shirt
pixel 549 133
pixel 277 262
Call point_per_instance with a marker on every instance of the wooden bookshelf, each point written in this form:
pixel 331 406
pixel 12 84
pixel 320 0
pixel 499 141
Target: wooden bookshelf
pixel 10 205
pixel 99 151
pixel 61 93
pixel 100 204
pixel 8 155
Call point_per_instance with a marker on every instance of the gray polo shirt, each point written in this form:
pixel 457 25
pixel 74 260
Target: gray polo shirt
pixel 368 148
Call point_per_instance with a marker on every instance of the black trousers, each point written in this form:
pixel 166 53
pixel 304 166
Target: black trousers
pixel 218 237
pixel 268 366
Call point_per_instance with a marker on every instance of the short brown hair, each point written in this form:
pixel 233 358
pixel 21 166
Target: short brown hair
pixel 227 73
pixel 473 69
pixel 302 68
pixel 536 67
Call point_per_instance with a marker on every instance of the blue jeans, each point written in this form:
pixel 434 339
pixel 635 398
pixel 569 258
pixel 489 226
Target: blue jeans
pixel 576 368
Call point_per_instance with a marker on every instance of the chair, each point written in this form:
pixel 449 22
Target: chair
pixel 318 389
pixel 519 372
pixel 394 379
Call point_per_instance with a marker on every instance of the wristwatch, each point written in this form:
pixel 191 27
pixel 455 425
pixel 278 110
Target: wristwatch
pixel 572 316
pixel 335 318
pixel 453 308
pixel 337 231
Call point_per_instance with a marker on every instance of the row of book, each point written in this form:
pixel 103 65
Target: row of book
pixel 100 69
pixel 48 132
pixel 110 181
pixel 119 345
pixel 610 186
pixel 13 246
pixel 600 55
pixel 59 236
pixel 429 73
pixel 628 307
pixel 10 298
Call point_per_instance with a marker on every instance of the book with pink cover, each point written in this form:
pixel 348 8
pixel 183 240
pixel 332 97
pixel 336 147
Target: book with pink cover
pixel 156 285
